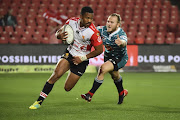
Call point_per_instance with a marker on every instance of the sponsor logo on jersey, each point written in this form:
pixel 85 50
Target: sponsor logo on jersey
pixel 98 34
pixel 99 39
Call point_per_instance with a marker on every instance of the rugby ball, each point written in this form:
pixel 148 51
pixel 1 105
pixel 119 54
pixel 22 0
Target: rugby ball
pixel 70 32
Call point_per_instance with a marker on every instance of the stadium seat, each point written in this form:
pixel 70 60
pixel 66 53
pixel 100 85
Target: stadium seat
pixel 53 7
pixel 1 29
pixel 31 23
pixel 83 2
pixel 43 7
pixel 53 39
pixel 45 40
pixel 22 23
pixel 128 12
pixel 172 26
pixel 137 12
pixel 9 29
pixel 112 2
pixel 40 29
pixel 131 3
pixel 152 27
pixel 140 38
pixel 170 38
pixel 30 29
pixel 148 3
pixel 19 30
pixel 165 16
pixel 162 27
pixel 19 17
pixel 132 29
pixel 127 18
pixel 24 40
pixel 157 3
pixel 166 4
pixel 177 40
pixel 139 3
pixel 120 9
pixel 124 26
pixel 5 34
pixel 143 29
pixel 47 2
pixel 131 37
pixel 56 2
pixel 23 11
pixel 146 18
pixel 76 2
pixel 3 40
pixel 35 40
pixel 174 18
pixel 27 35
pixel 13 40
pixel 137 18
pixel 156 19
pixel 160 38
pixel 149 40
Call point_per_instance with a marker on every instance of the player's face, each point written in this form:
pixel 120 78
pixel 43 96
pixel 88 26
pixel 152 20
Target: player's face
pixel 112 24
pixel 86 19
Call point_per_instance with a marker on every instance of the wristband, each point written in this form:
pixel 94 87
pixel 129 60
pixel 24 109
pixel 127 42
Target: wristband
pixel 83 58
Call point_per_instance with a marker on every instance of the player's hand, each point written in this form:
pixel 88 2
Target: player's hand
pixel 61 35
pixel 76 60
pixel 118 41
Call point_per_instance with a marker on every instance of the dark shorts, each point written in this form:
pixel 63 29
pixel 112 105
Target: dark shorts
pixel 76 69
pixel 118 63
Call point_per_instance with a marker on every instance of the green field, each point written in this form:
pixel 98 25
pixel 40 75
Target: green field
pixel 152 96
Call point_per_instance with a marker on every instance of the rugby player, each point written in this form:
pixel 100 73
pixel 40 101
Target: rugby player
pixel 115 56
pixel 77 54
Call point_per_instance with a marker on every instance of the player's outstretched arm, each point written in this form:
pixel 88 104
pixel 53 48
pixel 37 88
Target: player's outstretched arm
pixel 120 43
pixel 98 50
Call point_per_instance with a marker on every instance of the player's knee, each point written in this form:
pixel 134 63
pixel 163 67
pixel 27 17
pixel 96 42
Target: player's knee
pixel 115 77
pixel 103 69
pixel 67 89
pixel 56 74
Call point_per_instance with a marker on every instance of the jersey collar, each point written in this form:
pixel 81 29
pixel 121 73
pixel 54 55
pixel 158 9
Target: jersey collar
pixel 115 32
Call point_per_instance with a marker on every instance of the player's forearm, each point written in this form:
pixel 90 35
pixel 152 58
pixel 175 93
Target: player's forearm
pixel 98 50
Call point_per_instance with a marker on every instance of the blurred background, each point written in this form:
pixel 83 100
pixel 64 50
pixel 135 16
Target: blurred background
pixel 27 30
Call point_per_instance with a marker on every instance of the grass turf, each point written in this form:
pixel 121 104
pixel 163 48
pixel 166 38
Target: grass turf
pixel 152 96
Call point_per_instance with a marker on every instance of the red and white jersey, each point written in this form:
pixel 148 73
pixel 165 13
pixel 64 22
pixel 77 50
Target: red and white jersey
pixel 84 38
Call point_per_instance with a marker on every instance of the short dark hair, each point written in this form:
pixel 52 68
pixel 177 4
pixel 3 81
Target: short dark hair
pixel 86 9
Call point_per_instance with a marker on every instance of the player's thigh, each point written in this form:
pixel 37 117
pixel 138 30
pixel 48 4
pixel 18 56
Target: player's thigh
pixel 71 81
pixel 62 67
pixel 114 75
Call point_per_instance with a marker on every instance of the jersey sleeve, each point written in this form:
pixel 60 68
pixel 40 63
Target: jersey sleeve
pixel 67 22
pixel 96 39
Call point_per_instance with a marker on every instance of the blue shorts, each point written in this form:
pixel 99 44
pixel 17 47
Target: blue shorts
pixel 118 63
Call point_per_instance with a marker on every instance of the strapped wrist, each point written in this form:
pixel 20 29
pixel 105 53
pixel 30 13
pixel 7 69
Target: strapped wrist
pixel 83 58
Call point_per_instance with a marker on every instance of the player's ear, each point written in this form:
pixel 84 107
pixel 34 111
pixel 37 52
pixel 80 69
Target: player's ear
pixel 119 24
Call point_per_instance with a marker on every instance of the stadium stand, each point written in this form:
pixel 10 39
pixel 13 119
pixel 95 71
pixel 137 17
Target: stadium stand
pixel 144 21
